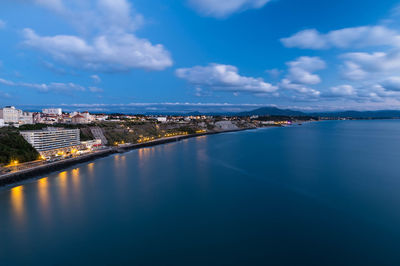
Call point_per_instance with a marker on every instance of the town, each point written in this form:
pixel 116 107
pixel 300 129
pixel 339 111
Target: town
pixel 29 139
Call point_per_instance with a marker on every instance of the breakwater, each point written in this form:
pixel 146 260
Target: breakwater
pixel 15 177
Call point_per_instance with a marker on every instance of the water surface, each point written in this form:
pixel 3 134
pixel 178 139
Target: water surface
pixel 324 193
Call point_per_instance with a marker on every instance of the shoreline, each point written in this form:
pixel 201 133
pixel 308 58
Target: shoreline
pixel 26 174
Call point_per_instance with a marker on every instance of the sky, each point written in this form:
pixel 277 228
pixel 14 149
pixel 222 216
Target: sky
pixel 200 55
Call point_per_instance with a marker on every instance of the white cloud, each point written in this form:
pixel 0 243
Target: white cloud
pixel 2 24
pixel 365 36
pixel 361 66
pixel 342 90
pixel 95 89
pixel 112 46
pixel 52 4
pixel 391 84
pixel 105 53
pixel 299 88
pixel 95 78
pixel 224 8
pixel 6 82
pixel 306 39
pixel 300 70
pixel 178 107
pixel 300 77
pixel 376 93
pixel 58 87
pixel 353 71
pixel 366 93
pixel 54 87
pixel 224 78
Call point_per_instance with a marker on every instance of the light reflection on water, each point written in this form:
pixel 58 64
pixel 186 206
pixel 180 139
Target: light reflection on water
pixel 202 166
pixel 144 155
pixel 44 198
pixel 76 181
pixel 62 179
pixel 17 203
pixel 90 168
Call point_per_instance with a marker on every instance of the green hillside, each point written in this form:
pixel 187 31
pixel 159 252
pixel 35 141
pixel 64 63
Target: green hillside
pixel 14 147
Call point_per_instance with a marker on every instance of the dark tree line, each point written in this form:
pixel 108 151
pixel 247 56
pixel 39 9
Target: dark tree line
pixel 14 147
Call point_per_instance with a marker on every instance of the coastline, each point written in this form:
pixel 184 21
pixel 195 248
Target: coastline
pixel 26 174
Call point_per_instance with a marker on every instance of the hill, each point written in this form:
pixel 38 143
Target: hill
pixel 361 114
pixel 272 111
pixel 14 147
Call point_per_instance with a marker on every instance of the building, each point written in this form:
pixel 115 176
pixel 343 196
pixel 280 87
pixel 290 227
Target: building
pixel 37 118
pixel 89 118
pixel 78 119
pixel 25 118
pixel 48 119
pixel 52 111
pixel 10 115
pixel 100 117
pixel 2 123
pixel 162 119
pixel 13 116
pixel 53 141
pixel 268 122
pixel 92 144
pixel 65 118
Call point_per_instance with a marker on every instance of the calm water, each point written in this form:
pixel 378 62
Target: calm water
pixel 324 193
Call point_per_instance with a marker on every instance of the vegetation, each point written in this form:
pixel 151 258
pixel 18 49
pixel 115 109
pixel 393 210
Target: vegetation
pixel 133 131
pixel 13 147
pixel 188 129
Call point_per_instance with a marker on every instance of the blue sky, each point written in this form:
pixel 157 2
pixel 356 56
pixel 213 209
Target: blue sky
pixel 225 55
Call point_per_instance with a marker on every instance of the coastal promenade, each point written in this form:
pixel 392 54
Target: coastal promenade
pixel 24 174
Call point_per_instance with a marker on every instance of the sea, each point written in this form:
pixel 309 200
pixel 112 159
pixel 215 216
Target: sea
pixel 321 193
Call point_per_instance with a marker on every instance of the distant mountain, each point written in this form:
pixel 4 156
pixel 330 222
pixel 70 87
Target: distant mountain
pixel 271 111
pixel 361 114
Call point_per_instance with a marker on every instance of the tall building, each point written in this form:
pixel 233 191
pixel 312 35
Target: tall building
pixel 52 111
pixel 51 141
pixel 10 115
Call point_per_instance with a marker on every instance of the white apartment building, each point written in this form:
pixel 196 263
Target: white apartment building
pixel 162 119
pixel 52 111
pixel 52 139
pixel 25 118
pixel 2 123
pixel 13 116
pixel 100 117
pixel 89 118
pixel 10 115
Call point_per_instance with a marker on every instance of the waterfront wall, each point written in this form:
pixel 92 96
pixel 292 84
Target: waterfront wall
pixel 47 168
pixel 15 177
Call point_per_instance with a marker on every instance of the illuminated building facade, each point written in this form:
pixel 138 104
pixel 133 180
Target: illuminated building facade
pixel 51 141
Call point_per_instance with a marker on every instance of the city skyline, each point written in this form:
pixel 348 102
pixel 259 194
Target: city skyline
pixel 226 56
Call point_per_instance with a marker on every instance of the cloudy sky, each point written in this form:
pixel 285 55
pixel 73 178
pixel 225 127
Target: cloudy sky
pixel 225 55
